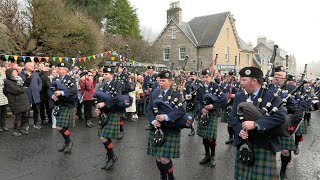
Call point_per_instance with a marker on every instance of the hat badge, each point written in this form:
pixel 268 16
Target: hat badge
pixel 62 64
pixel 208 71
pixel 247 72
pixel 109 69
pixel 166 74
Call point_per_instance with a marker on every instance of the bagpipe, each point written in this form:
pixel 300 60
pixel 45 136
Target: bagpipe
pixel 164 108
pixel 111 97
pixel 217 99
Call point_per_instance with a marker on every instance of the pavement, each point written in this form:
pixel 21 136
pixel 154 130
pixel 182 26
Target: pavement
pixel 35 156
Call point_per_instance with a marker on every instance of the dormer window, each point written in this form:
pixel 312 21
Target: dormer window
pixel 173 33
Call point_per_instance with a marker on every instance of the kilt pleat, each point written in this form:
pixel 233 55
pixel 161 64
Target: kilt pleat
pixel 112 128
pixel 264 167
pixel 302 128
pixel 65 118
pixel 170 148
pixel 209 131
pixel 225 118
pixel 287 143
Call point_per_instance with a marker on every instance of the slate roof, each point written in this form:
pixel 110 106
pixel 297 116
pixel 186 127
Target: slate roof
pixel 203 31
pixel 206 29
pixel 244 46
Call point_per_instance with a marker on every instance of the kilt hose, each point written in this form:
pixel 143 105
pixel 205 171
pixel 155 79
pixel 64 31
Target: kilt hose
pixel 66 117
pixel 170 148
pixel 225 118
pixel 264 167
pixel 209 131
pixel 287 143
pixel 302 128
pixel 145 104
pixel 112 128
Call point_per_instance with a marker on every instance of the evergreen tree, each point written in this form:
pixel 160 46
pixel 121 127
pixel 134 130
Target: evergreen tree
pixel 122 19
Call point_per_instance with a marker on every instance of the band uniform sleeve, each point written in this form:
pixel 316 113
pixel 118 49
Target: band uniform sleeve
pixel 235 121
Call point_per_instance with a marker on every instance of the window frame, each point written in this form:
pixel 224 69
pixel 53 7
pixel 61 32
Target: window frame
pixel 185 53
pixel 166 53
pixel 173 33
pixel 227 53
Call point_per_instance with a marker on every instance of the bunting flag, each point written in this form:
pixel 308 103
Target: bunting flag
pixel 6 56
pixel 15 58
pixel 53 58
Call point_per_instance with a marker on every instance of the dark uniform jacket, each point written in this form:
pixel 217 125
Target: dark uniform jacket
pixel 149 79
pixel 174 114
pixel 69 87
pixel 259 137
pixel 213 88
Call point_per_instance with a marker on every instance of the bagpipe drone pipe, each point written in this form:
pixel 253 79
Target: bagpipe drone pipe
pixel 249 111
pixel 112 97
pixel 164 108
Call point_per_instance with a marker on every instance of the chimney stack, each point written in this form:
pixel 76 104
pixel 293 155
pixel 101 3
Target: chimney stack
pixel 175 12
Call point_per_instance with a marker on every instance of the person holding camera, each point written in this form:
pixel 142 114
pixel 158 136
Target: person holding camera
pixel 87 89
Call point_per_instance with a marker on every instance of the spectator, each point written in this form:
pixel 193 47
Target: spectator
pixel 18 101
pixel 34 84
pixel 3 101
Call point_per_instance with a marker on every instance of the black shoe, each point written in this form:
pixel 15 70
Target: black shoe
pixel 308 124
pixel 212 162
pixel 68 147
pixel 110 163
pixel 23 132
pixel 283 175
pixel 62 148
pixel 230 141
pixel 205 160
pixel 296 152
pixel 191 133
pixel 1 130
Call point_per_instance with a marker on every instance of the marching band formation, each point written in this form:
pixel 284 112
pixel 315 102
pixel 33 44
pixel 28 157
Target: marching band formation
pixel 265 114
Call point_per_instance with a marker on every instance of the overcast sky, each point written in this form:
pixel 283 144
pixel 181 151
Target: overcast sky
pixel 294 25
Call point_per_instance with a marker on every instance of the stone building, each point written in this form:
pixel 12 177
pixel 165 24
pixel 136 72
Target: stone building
pixel 265 49
pixel 201 39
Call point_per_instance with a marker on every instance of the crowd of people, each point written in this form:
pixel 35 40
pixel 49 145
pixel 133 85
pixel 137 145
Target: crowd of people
pixel 171 101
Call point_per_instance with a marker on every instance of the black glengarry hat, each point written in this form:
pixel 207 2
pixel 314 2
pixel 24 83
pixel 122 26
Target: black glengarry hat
pixel 251 72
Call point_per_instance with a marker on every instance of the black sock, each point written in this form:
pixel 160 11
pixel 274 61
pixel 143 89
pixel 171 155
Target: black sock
pixel 66 134
pixel 213 147
pixel 297 139
pixel 231 132
pixel 109 147
pixel 163 172
pixel 169 168
pixel 121 125
pixel 206 146
pixel 285 161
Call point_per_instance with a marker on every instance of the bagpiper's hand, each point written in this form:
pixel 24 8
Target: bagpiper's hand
pixel 97 111
pixel 243 134
pixel 100 105
pixel 160 117
pixel 248 125
pixel 58 93
pixel 55 98
pixel 156 124
pixel 204 111
pixel 209 107
pixel 232 95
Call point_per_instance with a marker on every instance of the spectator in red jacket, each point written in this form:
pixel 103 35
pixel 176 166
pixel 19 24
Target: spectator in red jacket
pixel 86 95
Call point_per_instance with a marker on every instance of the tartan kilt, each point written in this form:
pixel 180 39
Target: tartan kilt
pixel 287 143
pixel 170 148
pixel 65 118
pixel 112 128
pixel 193 112
pixel 209 131
pixel 264 167
pixel 302 128
pixel 225 118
